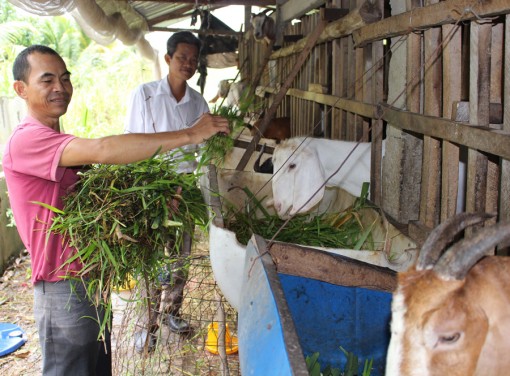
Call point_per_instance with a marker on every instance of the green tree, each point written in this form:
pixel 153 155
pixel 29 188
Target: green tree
pixel 103 76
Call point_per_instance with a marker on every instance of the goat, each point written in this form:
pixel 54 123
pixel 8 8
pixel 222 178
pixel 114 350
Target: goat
pixel 231 91
pixel 263 26
pixel 451 312
pixel 302 165
pixel 278 129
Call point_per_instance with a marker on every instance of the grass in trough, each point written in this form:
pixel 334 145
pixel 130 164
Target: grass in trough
pixel 331 230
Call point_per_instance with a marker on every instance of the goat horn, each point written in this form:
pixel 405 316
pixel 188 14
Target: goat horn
pixel 458 260
pixel 444 234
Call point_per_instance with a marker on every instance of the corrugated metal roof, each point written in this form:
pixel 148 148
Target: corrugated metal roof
pixel 165 13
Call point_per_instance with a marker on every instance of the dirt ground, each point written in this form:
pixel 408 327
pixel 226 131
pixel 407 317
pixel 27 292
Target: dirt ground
pixel 16 299
pixel 174 355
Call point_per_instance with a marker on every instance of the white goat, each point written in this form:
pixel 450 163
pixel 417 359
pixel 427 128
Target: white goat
pixel 302 167
pixel 231 91
pixel 451 313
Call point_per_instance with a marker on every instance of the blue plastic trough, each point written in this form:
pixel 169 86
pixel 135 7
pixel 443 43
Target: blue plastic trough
pixel 315 302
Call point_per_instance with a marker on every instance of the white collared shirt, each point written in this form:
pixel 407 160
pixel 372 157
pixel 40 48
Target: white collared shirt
pixel 154 109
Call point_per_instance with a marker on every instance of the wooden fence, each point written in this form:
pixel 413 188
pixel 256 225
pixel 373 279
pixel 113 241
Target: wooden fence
pixel 433 81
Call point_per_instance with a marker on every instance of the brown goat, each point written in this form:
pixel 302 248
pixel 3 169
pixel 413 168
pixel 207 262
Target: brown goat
pixel 278 129
pixel 451 313
pixel 263 27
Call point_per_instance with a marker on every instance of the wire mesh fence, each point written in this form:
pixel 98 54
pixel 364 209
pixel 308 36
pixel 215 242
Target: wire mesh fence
pixel 193 353
pixel 174 354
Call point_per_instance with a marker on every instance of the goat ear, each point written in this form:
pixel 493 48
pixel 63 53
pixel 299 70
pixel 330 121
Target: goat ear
pixel 308 177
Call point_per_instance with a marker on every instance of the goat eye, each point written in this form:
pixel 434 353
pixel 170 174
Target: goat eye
pixel 292 165
pixel 449 339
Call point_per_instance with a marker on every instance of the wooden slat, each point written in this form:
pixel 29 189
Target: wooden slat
pixel 377 94
pixel 359 70
pixel 444 12
pixel 331 268
pixel 481 138
pixel 431 171
pixel 461 112
pixel 359 108
pixel 350 90
pixel 479 96
pixel 451 94
pixel 258 74
pixel 485 139
pixel 496 90
pixel 504 202
pixel 407 165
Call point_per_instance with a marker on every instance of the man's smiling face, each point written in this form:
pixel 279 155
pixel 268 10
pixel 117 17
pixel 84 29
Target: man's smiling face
pixel 48 89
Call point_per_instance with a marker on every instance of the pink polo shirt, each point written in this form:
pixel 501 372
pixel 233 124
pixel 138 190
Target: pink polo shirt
pixel 30 164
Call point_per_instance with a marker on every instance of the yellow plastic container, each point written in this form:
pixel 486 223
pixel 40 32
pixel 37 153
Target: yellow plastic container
pixel 211 343
pixel 128 286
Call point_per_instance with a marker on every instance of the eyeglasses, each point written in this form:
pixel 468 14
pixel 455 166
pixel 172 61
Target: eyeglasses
pixel 183 59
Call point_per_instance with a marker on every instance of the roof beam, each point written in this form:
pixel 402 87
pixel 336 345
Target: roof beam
pixel 171 15
pixel 198 31
pixel 296 8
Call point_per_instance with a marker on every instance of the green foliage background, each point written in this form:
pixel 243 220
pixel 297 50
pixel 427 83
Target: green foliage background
pixel 103 76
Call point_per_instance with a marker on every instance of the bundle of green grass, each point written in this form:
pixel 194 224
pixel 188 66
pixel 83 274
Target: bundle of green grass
pixel 217 147
pixel 127 221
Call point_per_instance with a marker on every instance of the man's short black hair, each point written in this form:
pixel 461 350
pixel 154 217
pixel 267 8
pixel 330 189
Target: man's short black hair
pixel 181 37
pixel 21 66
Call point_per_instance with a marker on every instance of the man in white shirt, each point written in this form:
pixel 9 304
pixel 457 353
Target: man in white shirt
pixel 167 105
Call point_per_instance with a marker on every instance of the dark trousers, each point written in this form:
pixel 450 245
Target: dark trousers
pixel 68 331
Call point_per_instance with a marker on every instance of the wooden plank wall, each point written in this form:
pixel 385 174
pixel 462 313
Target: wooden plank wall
pixel 436 67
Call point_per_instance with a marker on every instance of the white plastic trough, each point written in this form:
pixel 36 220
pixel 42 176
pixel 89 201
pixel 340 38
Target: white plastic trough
pixel 228 255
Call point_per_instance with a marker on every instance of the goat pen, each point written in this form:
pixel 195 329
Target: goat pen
pixel 429 79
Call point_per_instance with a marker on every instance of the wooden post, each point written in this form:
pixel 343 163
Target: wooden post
pixel 377 93
pixel 479 96
pixel 451 93
pixel 258 75
pixel 431 169
pixel 504 202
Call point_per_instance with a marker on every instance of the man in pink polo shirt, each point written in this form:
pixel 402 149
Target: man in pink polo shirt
pixel 40 165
